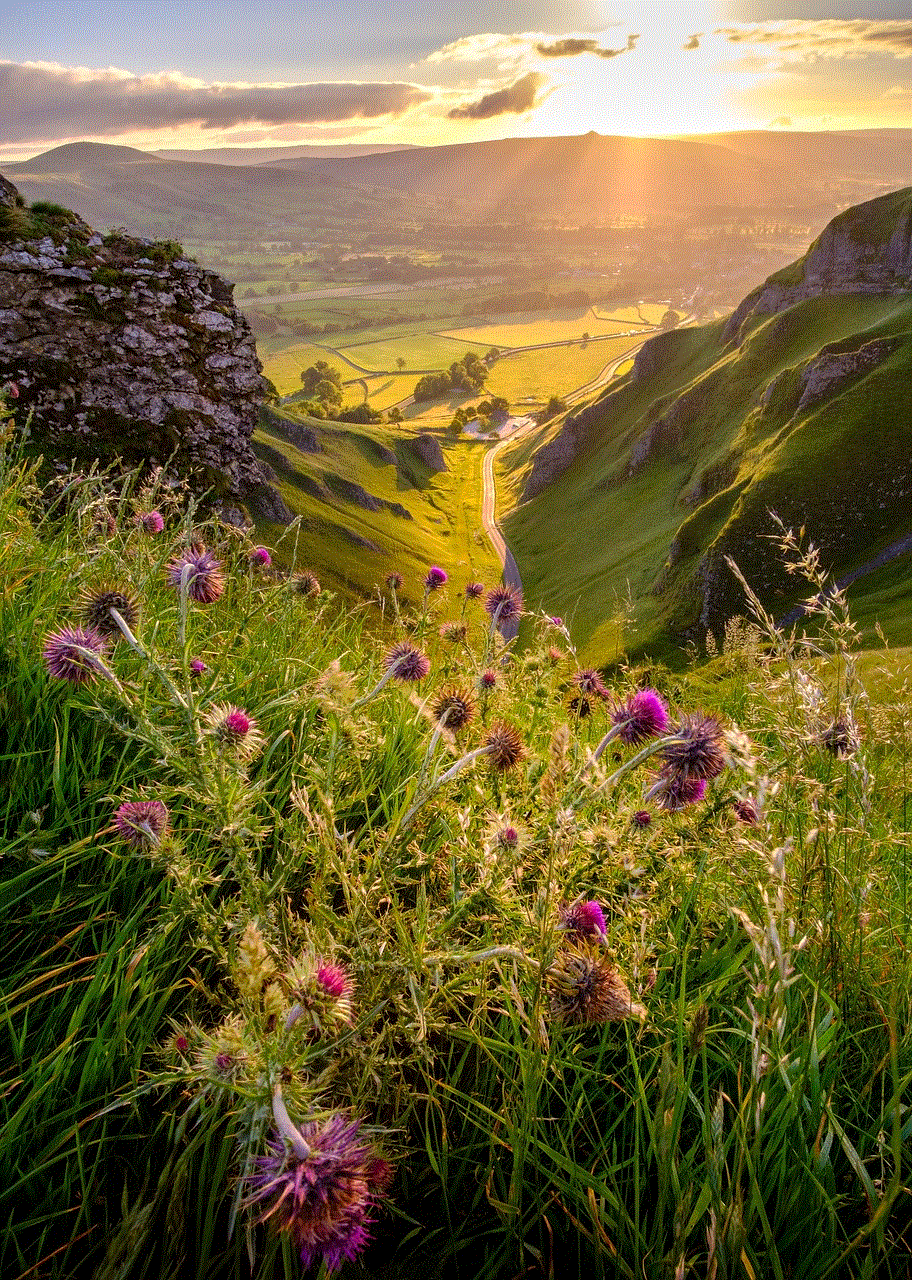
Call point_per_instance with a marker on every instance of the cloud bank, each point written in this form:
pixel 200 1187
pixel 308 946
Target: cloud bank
pixel 40 101
pixel 520 96
pixel 570 46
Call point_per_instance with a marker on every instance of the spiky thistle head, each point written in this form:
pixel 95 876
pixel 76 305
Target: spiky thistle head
pixel 487 679
pixel 394 580
pixel 697 748
pixel 142 823
pixel 96 603
pixel 305 583
pixel 322 991
pixel 474 590
pixel 406 662
pixel 203 574
pixel 746 811
pixel 197 666
pixel 585 987
pixel 583 920
pixel 434 578
pixel 151 522
pixel 322 1191
pixel 454 632
pixel 641 716
pixel 234 729
pixel 504 746
pixel 75 653
pixel 840 738
pixel 554 655
pixel 259 558
pixel 504 603
pixel 673 791
pixel 642 818
pixel 453 708
pixel 586 690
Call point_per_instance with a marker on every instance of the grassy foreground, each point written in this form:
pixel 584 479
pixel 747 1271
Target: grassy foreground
pixel 715 1084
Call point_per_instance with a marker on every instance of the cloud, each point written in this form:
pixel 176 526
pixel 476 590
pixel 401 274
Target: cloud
pixel 693 42
pixel 827 38
pixel 570 46
pixel 520 96
pixel 781 122
pixel 45 101
pixel 486 44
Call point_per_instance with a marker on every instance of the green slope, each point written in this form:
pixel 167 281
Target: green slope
pixel 410 518
pixel 807 412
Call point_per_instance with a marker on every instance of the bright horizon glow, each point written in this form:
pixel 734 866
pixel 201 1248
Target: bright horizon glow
pixel 643 73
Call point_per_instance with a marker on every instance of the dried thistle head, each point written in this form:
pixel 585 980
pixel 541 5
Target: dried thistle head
pixel 585 987
pixel 454 708
pixel 698 747
pixel 504 746
pixel 840 738
pixel 305 583
pixel 95 605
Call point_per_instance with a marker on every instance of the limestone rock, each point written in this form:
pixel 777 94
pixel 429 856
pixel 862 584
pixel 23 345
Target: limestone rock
pixel 121 350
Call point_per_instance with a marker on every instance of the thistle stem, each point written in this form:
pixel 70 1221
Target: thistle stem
pixel 286 1126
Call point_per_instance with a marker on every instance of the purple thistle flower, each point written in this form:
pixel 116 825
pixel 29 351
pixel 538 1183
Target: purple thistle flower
pixel 152 521
pixel 556 622
pixel 589 681
pixel 697 748
pixel 405 662
pixel 205 582
pixel 474 590
pixel 584 920
pixel 334 980
pixel 197 666
pixel 322 1192
pixel 260 558
pixel 640 717
pixel 488 679
pixel 74 654
pixel 434 578
pixel 642 818
pixel 504 603
pixel 507 837
pixel 234 729
pixel 237 723
pixel 673 791
pixel 142 822
pixel 746 811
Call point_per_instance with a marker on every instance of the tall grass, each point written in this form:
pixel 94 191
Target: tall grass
pixel 754 1122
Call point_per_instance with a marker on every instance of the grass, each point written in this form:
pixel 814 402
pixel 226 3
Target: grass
pixel 530 328
pixel 420 350
pixel 284 360
pixel 537 375
pixel 752 1119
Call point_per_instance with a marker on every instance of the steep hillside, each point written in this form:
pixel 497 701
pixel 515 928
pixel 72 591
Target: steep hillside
pixel 800 402
pixel 374 499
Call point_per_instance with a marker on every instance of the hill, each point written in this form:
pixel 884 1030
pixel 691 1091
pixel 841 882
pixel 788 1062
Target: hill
pixel 270 155
pixel 800 402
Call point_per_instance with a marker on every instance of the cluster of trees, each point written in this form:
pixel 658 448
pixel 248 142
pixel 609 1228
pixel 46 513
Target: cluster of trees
pixel 322 387
pixel 531 300
pixel 468 374
pixel 554 406
pixel 485 411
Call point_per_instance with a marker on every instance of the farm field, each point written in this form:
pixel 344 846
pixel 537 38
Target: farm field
pixel 537 375
pixel 420 351
pixel 283 365
pixel 532 327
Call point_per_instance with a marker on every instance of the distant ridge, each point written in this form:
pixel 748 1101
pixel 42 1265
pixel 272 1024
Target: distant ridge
pixel 272 155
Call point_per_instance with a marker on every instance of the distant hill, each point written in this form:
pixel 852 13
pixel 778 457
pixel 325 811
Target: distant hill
pixel 586 178
pixel 799 402
pixel 274 155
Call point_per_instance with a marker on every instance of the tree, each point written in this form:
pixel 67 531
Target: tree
pixel 586 338
pixel 669 319
pixel 400 363
pixel 321 382
pixel 395 414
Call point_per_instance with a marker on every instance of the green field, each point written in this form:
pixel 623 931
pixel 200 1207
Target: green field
pixel 284 364
pixel 532 327
pixel 419 350
pixel 534 376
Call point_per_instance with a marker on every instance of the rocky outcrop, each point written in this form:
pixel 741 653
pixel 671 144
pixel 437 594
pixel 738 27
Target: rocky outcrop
pixel 553 458
pixel 125 349
pixel 351 491
pixel 867 249
pixel 835 367
pixel 427 448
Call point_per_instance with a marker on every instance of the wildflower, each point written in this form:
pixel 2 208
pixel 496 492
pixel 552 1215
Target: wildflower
pixel 305 583
pixel 503 604
pixel 503 746
pixel 840 739
pixel 583 920
pixel 557 622
pixel 395 580
pixel 555 655
pixel 322 1190
pixel 260 558
pixel 202 573
pixel 488 679
pixel 586 686
pixel 507 838
pixel 474 590
pixel 585 988
pixel 234 729
pixel 454 708
pixel 746 811
pixel 696 748
pixel 434 578
pixel 224 1056
pixel 96 603
pixel 453 631
pixel 322 990
pixel 197 666
pixel 74 654
pixel 142 822
pixel 12 390
pixel 673 791
pixel 642 818
pixel 405 662
pixel 640 717
pixel 151 521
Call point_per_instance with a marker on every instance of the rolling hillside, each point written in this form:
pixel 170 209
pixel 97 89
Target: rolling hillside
pixel 800 402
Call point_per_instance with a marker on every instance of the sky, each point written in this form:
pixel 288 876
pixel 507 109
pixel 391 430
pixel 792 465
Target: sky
pixel 198 73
